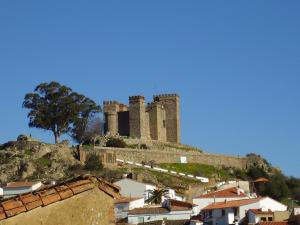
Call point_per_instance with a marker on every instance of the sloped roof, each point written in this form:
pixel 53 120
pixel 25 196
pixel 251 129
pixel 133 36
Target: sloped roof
pixel 20 184
pixel 274 223
pixel 260 212
pixel 230 204
pixel 157 210
pixel 225 193
pixel 127 200
pixel 26 202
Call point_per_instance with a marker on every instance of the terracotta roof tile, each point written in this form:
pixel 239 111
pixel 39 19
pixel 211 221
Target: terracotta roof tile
pixel 82 188
pixel 11 204
pixel 26 202
pixel 15 211
pixel 259 211
pixel 31 201
pixel 274 223
pixel 21 184
pixel 2 214
pixel 64 191
pixel 229 192
pixel 49 196
pixel 230 204
pixel 148 210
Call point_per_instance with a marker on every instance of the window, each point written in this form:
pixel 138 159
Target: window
pixel 270 218
pixel 140 219
pixel 263 219
pixel 210 213
pixel 235 211
pixel 164 123
pixel 223 212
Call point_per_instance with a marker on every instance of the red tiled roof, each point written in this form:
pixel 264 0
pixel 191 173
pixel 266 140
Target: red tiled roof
pixel 174 202
pixel 230 204
pixel 259 211
pixel 157 210
pixel 47 196
pixel 225 193
pixel 126 200
pixel 21 184
pixel 274 223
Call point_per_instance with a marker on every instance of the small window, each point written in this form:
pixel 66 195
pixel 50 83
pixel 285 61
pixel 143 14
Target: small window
pixel 263 219
pixel 235 211
pixel 223 212
pixel 270 218
pixel 210 212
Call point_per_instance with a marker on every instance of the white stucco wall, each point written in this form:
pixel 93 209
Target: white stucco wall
pixel 121 209
pixel 132 188
pixel 203 202
pixel 173 215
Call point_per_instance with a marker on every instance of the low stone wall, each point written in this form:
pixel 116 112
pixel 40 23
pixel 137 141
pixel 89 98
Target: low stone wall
pixel 139 155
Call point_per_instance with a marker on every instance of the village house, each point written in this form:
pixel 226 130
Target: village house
pixel 233 212
pixel 134 189
pixel 228 194
pixel 81 201
pixel 123 205
pixel 259 215
pixel 169 210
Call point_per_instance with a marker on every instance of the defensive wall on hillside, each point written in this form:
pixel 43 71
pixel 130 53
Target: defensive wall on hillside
pixel 174 156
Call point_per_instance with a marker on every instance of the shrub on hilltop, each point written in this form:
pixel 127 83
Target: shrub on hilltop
pixel 115 143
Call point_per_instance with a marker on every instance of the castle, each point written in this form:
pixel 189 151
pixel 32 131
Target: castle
pixel 158 120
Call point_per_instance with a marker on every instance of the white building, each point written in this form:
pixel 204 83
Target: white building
pixel 233 212
pixel 1 191
pixel 228 194
pixel 170 210
pixel 135 189
pixel 17 188
pixel 122 206
pixel 257 215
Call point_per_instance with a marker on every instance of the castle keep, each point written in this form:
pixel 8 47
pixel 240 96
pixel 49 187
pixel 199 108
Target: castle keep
pixel 158 120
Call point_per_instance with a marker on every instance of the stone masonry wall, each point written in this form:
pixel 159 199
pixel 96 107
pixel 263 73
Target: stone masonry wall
pixel 159 156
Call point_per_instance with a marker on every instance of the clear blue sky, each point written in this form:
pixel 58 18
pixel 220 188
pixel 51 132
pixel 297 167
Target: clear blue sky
pixel 235 64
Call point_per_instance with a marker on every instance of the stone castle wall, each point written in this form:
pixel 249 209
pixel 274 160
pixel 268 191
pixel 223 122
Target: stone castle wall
pixel 160 156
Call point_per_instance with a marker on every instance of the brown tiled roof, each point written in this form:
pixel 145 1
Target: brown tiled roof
pixel 274 223
pixel 20 184
pixel 26 202
pixel 126 200
pixel 230 204
pixel 156 210
pixel 225 193
pixel 259 211
pixel 148 210
pixel 174 202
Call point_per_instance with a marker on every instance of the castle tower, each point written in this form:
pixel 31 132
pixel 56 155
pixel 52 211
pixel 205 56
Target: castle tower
pixel 138 119
pixel 110 109
pixel 170 102
pixel 157 121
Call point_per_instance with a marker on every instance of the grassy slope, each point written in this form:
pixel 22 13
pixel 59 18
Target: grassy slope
pixel 197 169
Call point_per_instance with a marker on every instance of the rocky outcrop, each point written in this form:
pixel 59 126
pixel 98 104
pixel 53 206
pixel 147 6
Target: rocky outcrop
pixel 27 159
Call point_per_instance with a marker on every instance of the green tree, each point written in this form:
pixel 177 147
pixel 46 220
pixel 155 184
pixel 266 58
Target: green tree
pixel 155 196
pixel 93 163
pixel 57 108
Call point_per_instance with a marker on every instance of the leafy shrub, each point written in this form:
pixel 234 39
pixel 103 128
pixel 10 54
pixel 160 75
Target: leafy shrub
pixel 116 143
pixel 93 163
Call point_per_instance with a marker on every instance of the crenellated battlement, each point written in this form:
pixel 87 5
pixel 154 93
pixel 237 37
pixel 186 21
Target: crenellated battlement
pixel 136 98
pixel 165 95
pixel 113 102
